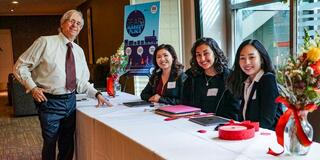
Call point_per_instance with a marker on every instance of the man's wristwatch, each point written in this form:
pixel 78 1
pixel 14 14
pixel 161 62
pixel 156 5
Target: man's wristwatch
pixel 98 93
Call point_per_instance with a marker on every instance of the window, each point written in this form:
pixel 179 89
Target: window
pixel 268 23
pixel 212 21
pixel 239 1
pixel 308 17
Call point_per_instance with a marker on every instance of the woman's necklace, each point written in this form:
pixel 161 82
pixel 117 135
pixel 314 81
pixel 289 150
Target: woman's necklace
pixel 207 80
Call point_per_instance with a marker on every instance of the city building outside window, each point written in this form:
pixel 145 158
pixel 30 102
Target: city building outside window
pixel 308 17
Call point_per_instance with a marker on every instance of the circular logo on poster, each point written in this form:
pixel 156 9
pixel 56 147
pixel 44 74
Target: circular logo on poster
pixel 128 51
pixel 151 49
pixel 135 23
pixel 140 50
pixel 154 9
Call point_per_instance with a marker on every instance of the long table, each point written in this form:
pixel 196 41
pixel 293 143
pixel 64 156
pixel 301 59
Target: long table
pixel 123 133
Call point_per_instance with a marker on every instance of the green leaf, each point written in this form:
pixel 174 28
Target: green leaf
pixel 317 39
pixel 306 39
pixel 311 94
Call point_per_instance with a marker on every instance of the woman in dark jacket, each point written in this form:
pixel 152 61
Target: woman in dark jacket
pixel 166 82
pixel 205 85
pixel 254 81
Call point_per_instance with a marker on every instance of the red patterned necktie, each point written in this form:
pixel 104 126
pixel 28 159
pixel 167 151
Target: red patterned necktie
pixel 70 69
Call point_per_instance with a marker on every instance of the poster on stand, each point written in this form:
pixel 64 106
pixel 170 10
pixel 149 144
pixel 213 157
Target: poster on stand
pixel 141 29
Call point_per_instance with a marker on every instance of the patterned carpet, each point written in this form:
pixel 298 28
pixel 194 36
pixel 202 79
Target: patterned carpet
pixel 20 138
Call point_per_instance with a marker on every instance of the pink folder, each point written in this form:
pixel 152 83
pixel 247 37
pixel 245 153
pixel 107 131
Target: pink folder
pixel 179 109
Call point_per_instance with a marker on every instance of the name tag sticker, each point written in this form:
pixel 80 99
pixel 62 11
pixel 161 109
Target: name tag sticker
pixel 171 85
pixel 212 92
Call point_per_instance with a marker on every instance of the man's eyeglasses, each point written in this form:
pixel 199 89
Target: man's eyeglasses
pixel 72 21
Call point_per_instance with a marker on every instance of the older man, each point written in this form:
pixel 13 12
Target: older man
pixel 53 68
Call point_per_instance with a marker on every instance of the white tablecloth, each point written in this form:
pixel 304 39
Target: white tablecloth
pixel 120 132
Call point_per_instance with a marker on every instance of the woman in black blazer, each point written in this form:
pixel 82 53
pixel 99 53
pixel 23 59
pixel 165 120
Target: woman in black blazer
pixel 205 85
pixel 253 79
pixel 166 82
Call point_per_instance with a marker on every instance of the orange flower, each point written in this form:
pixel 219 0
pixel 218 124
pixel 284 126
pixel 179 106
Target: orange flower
pixel 316 89
pixel 313 54
pixel 316 68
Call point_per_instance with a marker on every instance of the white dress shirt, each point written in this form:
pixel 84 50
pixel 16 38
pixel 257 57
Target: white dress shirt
pixel 248 89
pixel 43 65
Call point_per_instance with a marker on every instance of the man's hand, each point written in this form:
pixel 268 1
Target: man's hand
pixel 155 98
pixel 102 101
pixel 37 94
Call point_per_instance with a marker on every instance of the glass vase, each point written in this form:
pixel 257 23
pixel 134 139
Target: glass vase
pixel 291 141
pixel 117 86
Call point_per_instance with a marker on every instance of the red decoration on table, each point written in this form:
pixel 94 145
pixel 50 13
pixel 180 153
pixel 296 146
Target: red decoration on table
pixel 271 152
pixel 255 124
pixel 283 121
pixel 109 86
pixel 202 131
pixel 238 131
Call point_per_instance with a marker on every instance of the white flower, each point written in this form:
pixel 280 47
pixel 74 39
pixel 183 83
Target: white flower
pixel 102 60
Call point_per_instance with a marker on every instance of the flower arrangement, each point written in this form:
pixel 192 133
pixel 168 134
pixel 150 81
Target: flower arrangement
pixel 118 62
pixel 300 77
pixel 299 86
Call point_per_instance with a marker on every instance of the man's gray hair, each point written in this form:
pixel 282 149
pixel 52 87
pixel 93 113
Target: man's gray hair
pixel 66 16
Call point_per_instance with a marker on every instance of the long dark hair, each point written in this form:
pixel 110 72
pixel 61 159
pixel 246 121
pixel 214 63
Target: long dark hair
pixel 220 61
pixel 176 66
pixel 237 77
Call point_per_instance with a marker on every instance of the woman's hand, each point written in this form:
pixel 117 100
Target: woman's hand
pixel 155 98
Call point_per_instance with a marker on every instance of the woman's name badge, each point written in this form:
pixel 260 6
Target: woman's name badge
pixel 171 85
pixel 212 92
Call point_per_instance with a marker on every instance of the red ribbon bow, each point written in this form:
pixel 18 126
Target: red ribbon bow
pixel 303 139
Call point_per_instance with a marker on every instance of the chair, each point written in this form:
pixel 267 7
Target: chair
pixel 9 87
pixel 22 103
pixel 98 75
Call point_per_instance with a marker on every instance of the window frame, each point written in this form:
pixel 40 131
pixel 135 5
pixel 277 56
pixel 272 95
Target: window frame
pixel 232 7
